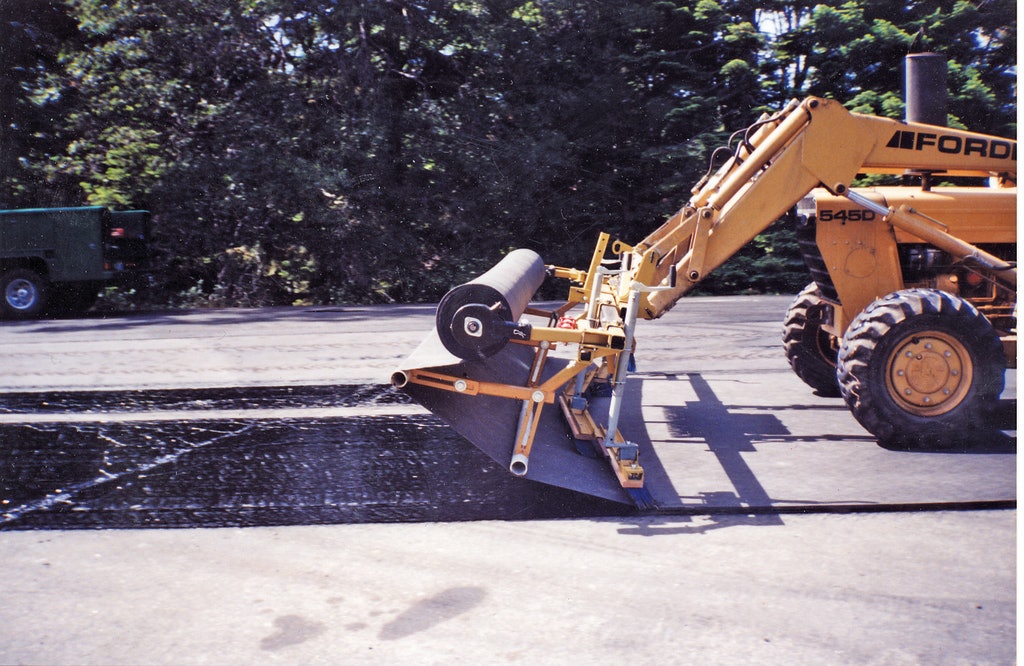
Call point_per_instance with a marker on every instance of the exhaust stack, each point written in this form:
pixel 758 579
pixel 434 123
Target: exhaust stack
pixel 925 90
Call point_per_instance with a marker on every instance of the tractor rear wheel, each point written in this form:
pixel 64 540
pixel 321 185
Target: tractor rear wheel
pixel 922 368
pixel 809 348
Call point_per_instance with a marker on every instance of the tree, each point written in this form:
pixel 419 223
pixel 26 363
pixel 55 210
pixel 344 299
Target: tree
pixel 31 36
pixel 854 51
pixel 386 150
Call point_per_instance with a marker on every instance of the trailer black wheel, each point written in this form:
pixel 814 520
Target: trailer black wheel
pixel 922 368
pixel 810 350
pixel 24 293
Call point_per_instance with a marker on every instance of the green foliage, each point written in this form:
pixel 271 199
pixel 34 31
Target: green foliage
pixel 31 37
pixel 308 151
pixel 770 264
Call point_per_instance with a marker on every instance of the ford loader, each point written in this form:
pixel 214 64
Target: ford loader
pixel 911 315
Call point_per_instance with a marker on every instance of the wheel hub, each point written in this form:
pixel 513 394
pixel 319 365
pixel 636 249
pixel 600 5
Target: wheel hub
pixel 930 374
pixel 21 294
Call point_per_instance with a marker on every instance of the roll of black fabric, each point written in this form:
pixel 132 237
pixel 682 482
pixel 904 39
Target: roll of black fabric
pixel 476 319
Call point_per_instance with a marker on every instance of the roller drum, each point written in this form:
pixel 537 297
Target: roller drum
pixel 472 319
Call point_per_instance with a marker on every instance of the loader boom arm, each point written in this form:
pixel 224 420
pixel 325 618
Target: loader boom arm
pixel 808 144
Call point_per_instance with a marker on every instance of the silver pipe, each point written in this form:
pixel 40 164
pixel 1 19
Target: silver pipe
pixel 864 202
pixel 521 462
pixel 621 369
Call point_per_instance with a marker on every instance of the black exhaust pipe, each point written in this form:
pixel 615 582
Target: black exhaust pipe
pixel 925 90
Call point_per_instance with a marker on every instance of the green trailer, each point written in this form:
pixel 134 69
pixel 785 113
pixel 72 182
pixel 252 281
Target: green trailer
pixel 57 260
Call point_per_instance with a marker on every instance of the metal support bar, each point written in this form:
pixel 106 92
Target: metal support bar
pixel 699 243
pixel 864 202
pixel 594 306
pixel 622 366
pixel 933 231
pixel 445 382
pixel 593 278
pixel 529 417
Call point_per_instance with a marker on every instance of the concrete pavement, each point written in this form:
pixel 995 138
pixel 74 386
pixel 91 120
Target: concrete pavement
pixel 920 588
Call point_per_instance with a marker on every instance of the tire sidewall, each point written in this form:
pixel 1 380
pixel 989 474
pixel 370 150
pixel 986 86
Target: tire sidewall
pixel 802 342
pixel 870 397
pixel 39 286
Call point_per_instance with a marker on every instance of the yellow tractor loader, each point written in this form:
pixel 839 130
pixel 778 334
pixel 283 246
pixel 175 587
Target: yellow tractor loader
pixel 910 317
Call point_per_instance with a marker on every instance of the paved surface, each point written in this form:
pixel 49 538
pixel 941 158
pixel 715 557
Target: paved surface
pixel 732 427
pixel 714 401
pixel 211 348
pixel 921 588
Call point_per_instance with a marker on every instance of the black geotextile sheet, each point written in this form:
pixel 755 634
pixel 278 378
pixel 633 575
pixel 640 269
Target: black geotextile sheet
pixel 490 422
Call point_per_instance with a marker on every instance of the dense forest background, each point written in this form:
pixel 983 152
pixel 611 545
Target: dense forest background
pixel 356 151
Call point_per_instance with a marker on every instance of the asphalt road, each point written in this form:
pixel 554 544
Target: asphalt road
pixel 284 416
pixel 790 535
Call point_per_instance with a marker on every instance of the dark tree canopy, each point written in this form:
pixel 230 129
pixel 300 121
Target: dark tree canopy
pixel 310 151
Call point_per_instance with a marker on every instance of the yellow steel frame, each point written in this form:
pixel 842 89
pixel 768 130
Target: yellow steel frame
pixel 594 346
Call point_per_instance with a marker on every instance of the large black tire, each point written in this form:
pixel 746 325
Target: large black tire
pixel 809 349
pixel 921 368
pixel 23 293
